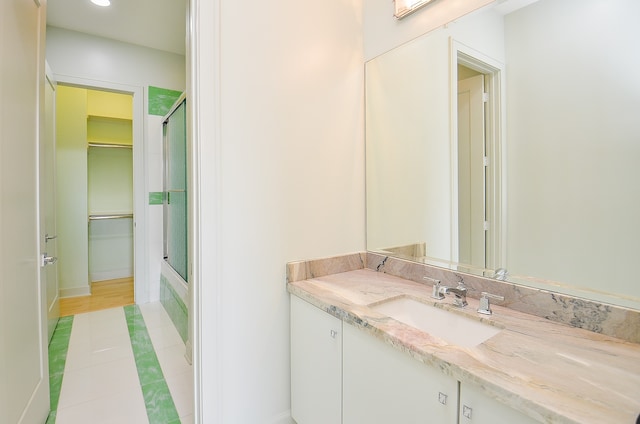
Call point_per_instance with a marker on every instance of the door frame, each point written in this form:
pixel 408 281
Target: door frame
pixel 141 283
pixel 53 308
pixel 204 117
pixel 495 130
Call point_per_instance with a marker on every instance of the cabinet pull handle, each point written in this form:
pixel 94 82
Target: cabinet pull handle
pixel 333 333
pixel 442 398
pixel 466 411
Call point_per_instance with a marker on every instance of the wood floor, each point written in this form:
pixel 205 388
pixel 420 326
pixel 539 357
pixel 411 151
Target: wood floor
pixel 104 295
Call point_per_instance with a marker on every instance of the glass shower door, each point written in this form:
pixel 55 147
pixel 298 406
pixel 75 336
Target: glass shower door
pixel 175 189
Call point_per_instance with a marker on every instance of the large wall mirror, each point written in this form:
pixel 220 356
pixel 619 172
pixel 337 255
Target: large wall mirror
pixel 510 139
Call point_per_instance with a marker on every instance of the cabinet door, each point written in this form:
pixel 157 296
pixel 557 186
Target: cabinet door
pixel 316 365
pixel 478 408
pixel 383 385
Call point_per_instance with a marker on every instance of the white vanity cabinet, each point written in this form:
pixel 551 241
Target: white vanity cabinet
pixel 343 375
pixel 382 385
pixel 316 365
pixel 478 408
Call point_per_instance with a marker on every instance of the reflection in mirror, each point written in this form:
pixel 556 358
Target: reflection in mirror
pixel 558 199
pixel 471 199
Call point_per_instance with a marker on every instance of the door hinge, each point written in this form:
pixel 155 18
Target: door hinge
pixel 485 225
pixel 485 97
pixel 485 160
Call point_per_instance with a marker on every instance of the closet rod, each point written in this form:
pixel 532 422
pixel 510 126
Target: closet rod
pixel 111 145
pixel 112 216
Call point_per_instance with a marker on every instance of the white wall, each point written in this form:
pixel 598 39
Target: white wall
pixel 95 59
pixel 110 187
pixel 288 184
pixel 85 56
pixel 154 244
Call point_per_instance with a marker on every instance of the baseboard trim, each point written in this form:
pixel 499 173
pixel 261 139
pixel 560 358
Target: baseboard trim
pixel 75 292
pixel 283 418
pixel 110 275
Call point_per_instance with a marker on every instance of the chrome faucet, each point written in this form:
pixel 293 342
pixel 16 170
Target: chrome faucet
pixel 459 292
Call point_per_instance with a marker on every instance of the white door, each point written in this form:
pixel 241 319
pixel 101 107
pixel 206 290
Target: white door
pixel 24 379
pixel 471 171
pixel 48 202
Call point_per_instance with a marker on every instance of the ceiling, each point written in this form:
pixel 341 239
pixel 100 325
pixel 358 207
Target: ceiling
pixel 158 24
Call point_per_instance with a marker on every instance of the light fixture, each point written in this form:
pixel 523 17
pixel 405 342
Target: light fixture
pixel 405 7
pixel 103 3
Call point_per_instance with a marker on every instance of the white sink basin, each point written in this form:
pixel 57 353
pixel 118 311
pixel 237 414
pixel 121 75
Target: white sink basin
pixel 448 326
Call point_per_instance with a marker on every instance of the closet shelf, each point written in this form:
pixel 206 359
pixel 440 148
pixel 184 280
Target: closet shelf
pixel 109 119
pixel 98 217
pixel 110 145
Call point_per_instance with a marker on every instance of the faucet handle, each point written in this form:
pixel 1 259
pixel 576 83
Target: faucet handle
pixel 435 292
pixel 485 304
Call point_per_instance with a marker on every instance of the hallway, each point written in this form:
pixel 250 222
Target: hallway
pixel 119 365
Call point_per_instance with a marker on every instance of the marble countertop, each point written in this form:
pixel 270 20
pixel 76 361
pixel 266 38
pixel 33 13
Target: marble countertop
pixel 549 371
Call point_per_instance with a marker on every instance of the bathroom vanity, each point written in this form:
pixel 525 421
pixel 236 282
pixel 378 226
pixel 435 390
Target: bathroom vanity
pixel 352 362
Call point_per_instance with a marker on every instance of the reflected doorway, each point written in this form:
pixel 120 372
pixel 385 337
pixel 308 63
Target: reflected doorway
pixel 472 163
pixel 477 161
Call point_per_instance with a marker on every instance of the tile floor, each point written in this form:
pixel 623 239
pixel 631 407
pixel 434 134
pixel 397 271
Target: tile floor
pixel 121 365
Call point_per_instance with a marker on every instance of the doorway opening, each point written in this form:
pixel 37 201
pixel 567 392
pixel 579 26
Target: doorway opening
pixel 478 175
pixel 99 195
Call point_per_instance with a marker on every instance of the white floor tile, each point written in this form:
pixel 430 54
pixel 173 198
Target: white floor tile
pixel 181 388
pixel 94 350
pixel 98 337
pixel 108 322
pixel 124 407
pixel 187 419
pixel 172 360
pixel 100 383
pixel 163 337
pixel 170 350
pixel 155 315
pixel 96 381
pixel 81 327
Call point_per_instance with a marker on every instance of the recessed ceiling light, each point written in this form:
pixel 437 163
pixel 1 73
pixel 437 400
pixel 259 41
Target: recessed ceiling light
pixel 103 3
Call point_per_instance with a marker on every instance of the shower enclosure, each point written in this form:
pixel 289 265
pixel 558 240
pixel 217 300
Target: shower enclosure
pixel 175 189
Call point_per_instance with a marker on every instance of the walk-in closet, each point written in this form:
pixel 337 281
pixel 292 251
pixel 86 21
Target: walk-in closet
pixel 95 188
